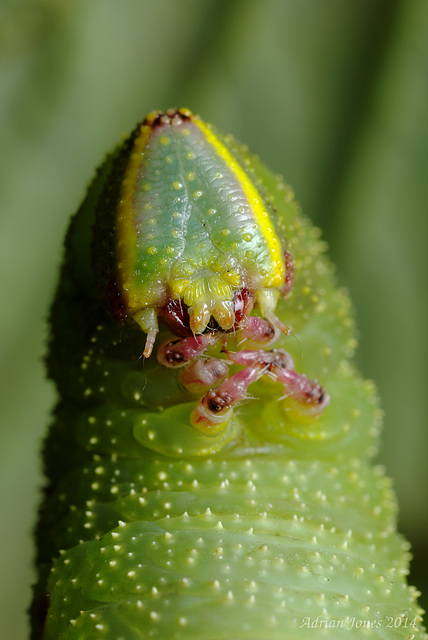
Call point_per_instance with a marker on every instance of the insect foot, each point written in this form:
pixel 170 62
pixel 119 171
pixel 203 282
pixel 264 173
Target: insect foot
pixel 215 407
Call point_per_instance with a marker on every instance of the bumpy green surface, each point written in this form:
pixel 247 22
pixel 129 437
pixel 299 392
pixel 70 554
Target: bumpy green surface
pixel 273 529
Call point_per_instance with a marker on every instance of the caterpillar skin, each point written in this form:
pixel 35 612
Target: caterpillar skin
pixel 182 508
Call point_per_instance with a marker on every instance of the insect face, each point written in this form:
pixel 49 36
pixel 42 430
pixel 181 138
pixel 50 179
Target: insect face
pixel 193 239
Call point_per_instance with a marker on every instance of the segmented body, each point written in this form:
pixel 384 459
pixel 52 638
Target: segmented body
pixel 266 517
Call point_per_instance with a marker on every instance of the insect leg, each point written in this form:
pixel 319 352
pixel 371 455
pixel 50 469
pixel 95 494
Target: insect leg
pixel 310 396
pixel 248 358
pixel 204 374
pixel 258 330
pixel 214 408
pixel 179 352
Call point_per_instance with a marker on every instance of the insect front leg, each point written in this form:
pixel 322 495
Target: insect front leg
pixel 180 351
pixel 310 397
pixel 202 372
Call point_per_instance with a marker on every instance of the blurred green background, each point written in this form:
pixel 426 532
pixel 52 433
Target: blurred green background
pixel 333 94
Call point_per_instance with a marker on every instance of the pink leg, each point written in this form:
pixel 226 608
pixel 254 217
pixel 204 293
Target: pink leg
pixel 177 353
pixel 204 374
pixel 212 410
pixel 309 394
pixel 258 330
pixel 248 358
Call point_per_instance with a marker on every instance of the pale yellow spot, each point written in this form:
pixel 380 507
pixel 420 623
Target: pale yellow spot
pixel 247 237
pixel 175 233
pixel 211 212
pixel 190 176
pixel 168 159
pixel 164 140
pixel 147 186
pixel 190 155
pixel 151 251
pixel 177 185
pixel 175 214
pixel 225 232
pixel 197 194
pixel 152 221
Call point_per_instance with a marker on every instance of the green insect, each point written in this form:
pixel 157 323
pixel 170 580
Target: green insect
pixel 210 475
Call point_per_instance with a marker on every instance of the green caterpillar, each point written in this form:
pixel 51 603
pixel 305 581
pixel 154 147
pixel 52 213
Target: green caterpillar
pixel 210 474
